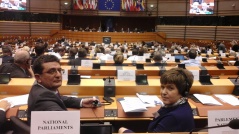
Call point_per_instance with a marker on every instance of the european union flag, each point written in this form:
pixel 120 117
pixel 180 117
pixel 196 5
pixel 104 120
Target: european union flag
pixel 110 5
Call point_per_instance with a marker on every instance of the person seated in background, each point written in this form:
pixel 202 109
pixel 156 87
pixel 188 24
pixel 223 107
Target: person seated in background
pixel 7 54
pixel 21 68
pixel 157 59
pixel 192 54
pixel 44 94
pixel 176 114
pixel 221 47
pixel 235 46
pixel 59 52
pixel 107 55
pixel 4 106
pixel 72 52
pixel 119 59
pixel 81 56
pixel 134 56
pixel 39 50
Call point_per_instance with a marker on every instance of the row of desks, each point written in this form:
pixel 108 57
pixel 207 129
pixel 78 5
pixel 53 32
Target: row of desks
pixel 116 111
pixel 169 63
pixel 19 86
pixel 150 70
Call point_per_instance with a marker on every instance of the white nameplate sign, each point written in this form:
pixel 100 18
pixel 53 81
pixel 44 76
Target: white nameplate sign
pixel 195 74
pixel 222 117
pixel 126 75
pixel 86 63
pixel 64 73
pixel 55 122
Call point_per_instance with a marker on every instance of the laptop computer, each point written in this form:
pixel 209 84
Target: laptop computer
pixel 141 79
pixel 5 78
pixel 96 66
pixel 73 79
pixel 181 66
pixel 179 56
pixel 140 66
pixel 205 80
pixel 95 128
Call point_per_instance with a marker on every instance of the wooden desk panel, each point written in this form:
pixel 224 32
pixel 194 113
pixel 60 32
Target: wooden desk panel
pixel 96 87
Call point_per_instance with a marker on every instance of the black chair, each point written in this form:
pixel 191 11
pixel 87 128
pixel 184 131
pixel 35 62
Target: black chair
pixel 19 126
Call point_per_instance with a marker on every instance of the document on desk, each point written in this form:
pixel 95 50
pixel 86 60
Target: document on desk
pixel 228 98
pixel 17 100
pixel 207 99
pixel 150 100
pixel 132 104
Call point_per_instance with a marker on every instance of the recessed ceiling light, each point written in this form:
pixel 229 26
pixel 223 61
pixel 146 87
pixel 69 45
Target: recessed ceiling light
pixel 66 3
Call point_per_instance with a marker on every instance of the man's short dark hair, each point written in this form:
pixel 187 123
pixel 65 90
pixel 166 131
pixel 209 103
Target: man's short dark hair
pixel 82 52
pixel 157 56
pixel 6 49
pixel 40 49
pixel 37 65
pixel 192 54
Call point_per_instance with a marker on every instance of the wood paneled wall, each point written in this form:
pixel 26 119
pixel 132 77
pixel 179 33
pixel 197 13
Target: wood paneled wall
pixel 200 32
pixel 115 36
pixel 27 28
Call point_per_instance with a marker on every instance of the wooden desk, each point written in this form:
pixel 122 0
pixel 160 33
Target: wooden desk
pixel 169 63
pixel 150 70
pixel 95 87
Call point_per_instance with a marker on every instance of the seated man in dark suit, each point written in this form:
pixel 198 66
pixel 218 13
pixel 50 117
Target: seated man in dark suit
pixel 39 50
pixel 82 53
pixel 21 68
pixel 72 52
pixel 7 54
pixel 44 95
pixel 4 106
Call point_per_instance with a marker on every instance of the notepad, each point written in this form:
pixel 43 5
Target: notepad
pixel 17 100
pixel 207 99
pixel 132 104
pixel 228 98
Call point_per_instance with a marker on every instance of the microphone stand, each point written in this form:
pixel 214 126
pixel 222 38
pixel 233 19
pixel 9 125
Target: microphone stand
pixel 197 129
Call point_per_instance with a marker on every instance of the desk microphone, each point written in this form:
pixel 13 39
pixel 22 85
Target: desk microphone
pixel 233 124
pixel 164 62
pixel 236 78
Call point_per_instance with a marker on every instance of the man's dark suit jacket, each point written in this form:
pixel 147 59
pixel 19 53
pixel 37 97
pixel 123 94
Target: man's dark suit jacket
pixel 42 99
pixel 14 70
pixel 7 59
pixel 77 61
pixel 2 118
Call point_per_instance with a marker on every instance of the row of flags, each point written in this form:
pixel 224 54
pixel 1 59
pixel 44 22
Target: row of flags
pixel 110 5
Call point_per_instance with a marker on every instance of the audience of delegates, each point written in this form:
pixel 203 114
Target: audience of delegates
pixel 119 59
pixel 21 68
pixel 176 114
pixel 192 54
pixel 235 46
pixel 4 106
pixel 81 56
pixel 7 54
pixel 44 94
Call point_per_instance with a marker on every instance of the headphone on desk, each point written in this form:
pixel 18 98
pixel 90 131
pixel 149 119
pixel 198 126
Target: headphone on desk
pixel 185 91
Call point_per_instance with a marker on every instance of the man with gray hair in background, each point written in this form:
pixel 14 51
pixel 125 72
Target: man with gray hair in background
pixel 21 68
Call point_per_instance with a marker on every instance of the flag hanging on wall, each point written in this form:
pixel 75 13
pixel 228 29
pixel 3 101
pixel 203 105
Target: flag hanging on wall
pixel 85 4
pixel 110 5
